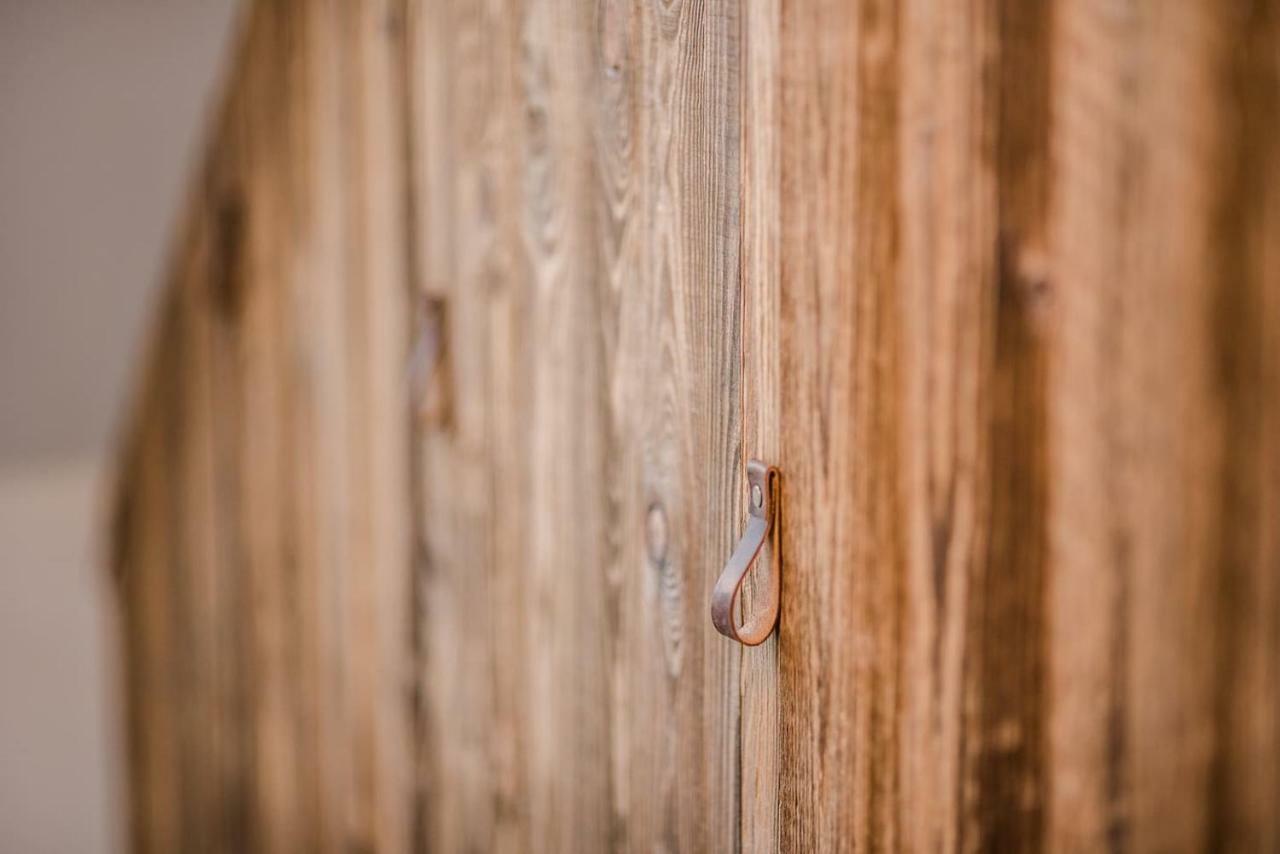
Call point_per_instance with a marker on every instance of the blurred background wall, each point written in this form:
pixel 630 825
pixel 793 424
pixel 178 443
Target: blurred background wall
pixel 102 107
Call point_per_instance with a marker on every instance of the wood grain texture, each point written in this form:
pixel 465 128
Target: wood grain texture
pixel 843 536
pixel 1024 288
pixel 995 284
pixel 577 177
pixel 262 521
pixel 762 354
pixel 1165 226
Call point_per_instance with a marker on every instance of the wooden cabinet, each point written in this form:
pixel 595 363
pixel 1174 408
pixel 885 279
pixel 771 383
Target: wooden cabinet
pixel 995 284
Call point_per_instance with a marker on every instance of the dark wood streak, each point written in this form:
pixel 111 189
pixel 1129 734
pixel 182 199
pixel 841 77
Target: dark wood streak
pixel 1007 608
pixel 224 288
pixel 1243 341
pixel 1008 598
pixel 403 23
pixel 1117 738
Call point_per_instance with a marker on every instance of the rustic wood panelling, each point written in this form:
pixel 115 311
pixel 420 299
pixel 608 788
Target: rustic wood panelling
pixel 1026 273
pixel 577 180
pixel 994 283
pixel 844 530
pixel 262 525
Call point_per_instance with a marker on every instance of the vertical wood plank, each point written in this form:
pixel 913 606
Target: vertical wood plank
pixel 947 187
pixel 582 227
pixel 1004 757
pixel 1164 387
pixel 263 491
pixel 758 761
pixel 843 540
pixel 689 399
pixel 1244 779
pixel 1098 156
pixel 1018 395
pixel 474 473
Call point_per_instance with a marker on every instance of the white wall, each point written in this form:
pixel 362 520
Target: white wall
pixel 59 760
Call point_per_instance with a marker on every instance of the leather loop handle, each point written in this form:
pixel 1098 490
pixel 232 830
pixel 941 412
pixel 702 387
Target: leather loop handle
pixel 762 510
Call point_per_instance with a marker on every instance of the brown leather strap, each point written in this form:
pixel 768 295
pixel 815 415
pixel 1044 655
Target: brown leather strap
pixel 762 509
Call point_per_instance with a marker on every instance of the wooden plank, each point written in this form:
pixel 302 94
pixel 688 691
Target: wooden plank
pixel 948 269
pixel 1164 598
pixel 1004 761
pixel 759 760
pixel 467 247
pixel 1024 395
pixel 577 187
pixel 843 536
pixel 263 513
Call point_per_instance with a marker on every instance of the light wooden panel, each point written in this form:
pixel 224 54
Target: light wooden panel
pixel 262 522
pixel 577 179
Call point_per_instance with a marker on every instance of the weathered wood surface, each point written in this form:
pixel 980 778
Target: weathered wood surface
pixel 262 531
pixel 996 284
pixel 577 179
pixel 1027 285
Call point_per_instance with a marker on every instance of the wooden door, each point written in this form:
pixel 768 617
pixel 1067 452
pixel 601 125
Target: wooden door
pixel 480 309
